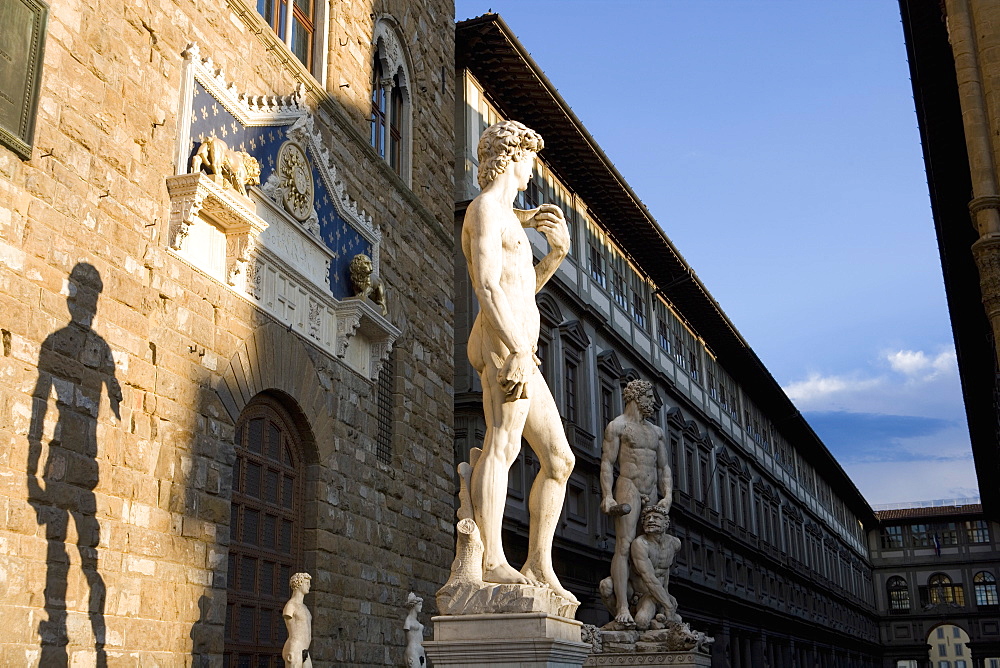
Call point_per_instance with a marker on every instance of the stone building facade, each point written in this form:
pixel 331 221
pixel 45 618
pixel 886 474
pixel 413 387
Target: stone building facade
pixel 952 48
pixel 192 404
pixel 774 561
pixel 936 570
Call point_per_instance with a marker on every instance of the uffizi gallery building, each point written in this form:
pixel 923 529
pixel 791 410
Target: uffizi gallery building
pixel 234 324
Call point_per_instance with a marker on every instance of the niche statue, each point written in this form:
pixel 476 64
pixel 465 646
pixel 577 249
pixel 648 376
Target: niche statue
pixel 298 621
pixel 415 657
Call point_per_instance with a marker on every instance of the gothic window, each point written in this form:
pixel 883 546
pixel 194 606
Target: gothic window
pixel 295 22
pixel 264 533
pixel 986 589
pixel 390 115
pixel 379 111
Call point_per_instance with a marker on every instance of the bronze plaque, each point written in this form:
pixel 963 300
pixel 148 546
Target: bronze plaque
pixel 22 43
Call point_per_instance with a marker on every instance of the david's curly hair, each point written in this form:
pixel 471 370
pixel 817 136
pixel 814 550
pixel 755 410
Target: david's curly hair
pixel 503 143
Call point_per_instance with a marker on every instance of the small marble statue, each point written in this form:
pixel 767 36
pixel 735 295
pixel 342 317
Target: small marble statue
pixel 639 450
pixel 298 621
pixel 365 285
pixel 235 168
pixel 415 657
pixel 502 347
pixel 646 597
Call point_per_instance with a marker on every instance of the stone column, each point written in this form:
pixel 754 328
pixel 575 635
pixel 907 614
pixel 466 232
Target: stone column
pixel 757 642
pixel 972 36
pixel 719 654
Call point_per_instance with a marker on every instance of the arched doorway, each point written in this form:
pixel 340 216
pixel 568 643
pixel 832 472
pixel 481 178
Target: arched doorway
pixel 265 533
pixel 949 647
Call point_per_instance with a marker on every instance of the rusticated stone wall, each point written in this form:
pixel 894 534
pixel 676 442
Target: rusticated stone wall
pixel 144 554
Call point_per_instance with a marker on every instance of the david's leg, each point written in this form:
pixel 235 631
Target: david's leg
pixel 488 486
pixel 543 430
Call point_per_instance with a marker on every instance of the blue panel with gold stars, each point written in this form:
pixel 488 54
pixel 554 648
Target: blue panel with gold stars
pixel 210 118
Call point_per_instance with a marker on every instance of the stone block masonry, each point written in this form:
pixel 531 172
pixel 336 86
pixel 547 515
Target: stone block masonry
pixel 115 547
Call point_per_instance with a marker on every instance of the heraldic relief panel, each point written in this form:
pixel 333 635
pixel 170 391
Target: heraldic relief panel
pixel 257 205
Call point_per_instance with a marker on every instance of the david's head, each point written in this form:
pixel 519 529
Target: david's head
pixel 504 143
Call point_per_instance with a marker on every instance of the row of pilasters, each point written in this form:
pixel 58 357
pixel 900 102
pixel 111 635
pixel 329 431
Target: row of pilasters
pixel 746 648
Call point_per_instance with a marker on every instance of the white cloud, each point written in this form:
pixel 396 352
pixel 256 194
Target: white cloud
pixel 892 464
pixel 818 390
pixel 917 364
pixel 898 382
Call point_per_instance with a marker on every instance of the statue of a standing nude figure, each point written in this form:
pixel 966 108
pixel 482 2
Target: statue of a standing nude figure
pixel 640 451
pixel 298 621
pixel 415 657
pixel 502 347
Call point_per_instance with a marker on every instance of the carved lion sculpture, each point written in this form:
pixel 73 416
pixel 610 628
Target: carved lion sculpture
pixel 365 285
pixel 237 168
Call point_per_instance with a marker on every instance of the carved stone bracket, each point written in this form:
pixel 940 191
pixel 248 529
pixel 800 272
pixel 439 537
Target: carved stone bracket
pixel 199 199
pixel 358 322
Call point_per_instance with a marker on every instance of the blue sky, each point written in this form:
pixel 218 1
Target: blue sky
pixel 775 142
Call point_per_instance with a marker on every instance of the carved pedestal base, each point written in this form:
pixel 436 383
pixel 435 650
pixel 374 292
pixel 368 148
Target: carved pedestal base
pixel 476 598
pixel 675 645
pixel 650 659
pixel 525 640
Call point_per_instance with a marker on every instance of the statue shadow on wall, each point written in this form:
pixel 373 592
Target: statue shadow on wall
pixel 77 363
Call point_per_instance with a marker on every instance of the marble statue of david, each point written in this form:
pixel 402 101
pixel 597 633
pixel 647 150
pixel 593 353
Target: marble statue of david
pixel 502 345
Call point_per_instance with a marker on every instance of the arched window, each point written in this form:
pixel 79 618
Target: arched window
pixel 296 22
pixel 390 99
pixel 264 533
pixel 899 594
pixel 986 588
pixel 940 590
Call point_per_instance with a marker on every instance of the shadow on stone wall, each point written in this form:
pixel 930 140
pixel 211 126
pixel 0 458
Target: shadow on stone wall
pixel 77 363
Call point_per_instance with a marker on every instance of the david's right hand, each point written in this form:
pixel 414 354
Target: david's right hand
pixel 514 374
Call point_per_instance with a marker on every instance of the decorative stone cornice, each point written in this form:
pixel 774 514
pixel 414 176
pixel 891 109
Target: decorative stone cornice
pixel 250 109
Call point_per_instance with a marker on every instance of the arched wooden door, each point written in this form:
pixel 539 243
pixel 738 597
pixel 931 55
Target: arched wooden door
pixel 265 533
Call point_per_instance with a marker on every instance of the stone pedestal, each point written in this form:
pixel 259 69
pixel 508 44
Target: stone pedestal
pixel 651 659
pixel 512 640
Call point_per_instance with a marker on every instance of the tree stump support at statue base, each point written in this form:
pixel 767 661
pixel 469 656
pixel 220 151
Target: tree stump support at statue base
pixel 508 640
